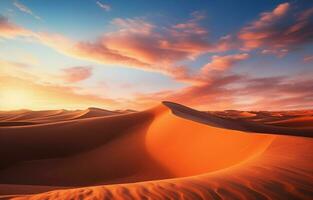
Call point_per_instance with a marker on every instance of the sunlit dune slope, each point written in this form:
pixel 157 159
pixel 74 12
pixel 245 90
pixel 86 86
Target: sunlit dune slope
pixel 283 171
pixel 187 147
pixel 206 156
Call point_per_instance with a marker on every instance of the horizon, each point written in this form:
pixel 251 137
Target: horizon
pixel 108 55
pixel 161 103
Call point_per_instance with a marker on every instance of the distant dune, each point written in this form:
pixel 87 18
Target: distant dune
pixel 167 152
pixel 28 117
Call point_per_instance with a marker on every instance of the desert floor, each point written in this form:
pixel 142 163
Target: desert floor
pixel 167 152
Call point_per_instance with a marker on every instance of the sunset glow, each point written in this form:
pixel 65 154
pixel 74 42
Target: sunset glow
pixel 159 99
pixel 14 98
pixel 136 57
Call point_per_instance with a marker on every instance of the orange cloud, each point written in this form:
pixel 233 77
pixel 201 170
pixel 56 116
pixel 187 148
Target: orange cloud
pixel 284 92
pixel 76 74
pixel 9 30
pixel 157 45
pixel 139 44
pixel 136 44
pixel 221 63
pixel 211 95
pixel 242 93
pixel 108 50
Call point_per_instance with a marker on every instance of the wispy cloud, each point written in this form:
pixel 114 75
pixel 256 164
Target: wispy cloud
pixel 283 29
pixel 146 48
pixel 76 74
pixel 137 43
pixel 241 92
pixel 104 6
pixel 221 63
pixel 308 59
pixel 25 9
pixel 10 30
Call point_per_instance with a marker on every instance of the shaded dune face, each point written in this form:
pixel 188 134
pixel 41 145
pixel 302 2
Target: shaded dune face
pixel 199 156
pixel 302 121
pixel 80 152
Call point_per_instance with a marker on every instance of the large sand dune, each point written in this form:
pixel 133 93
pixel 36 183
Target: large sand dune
pixel 167 152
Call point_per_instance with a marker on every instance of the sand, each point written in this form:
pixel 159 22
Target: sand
pixel 167 152
pixel 28 117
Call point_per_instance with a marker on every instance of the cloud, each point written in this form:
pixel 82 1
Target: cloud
pixel 136 44
pixel 105 7
pixel 130 46
pixel 210 95
pixel 76 74
pixel 139 44
pixel 221 63
pixel 278 52
pixel 10 30
pixel 284 92
pixel 241 92
pixel 25 9
pixel 151 44
pixel 279 31
pixel 308 59
pixel 223 91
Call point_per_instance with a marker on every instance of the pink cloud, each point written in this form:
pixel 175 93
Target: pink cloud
pixel 152 44
pixel 211 95
pixel 308 58
pixel 9 30
pixel 278 30
pixel 284 92
pixel 242 93
pixel 76 74
pixel 137 43
pixel 221 63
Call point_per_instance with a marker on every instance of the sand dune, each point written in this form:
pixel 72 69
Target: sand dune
pixel 28 117
pixel 302 121
pixel 167 152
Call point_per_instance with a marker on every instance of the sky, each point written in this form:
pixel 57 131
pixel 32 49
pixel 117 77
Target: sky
pixel 113 54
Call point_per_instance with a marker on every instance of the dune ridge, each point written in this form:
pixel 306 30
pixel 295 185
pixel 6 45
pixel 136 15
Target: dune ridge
pixel 130 156
pixel 28 117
